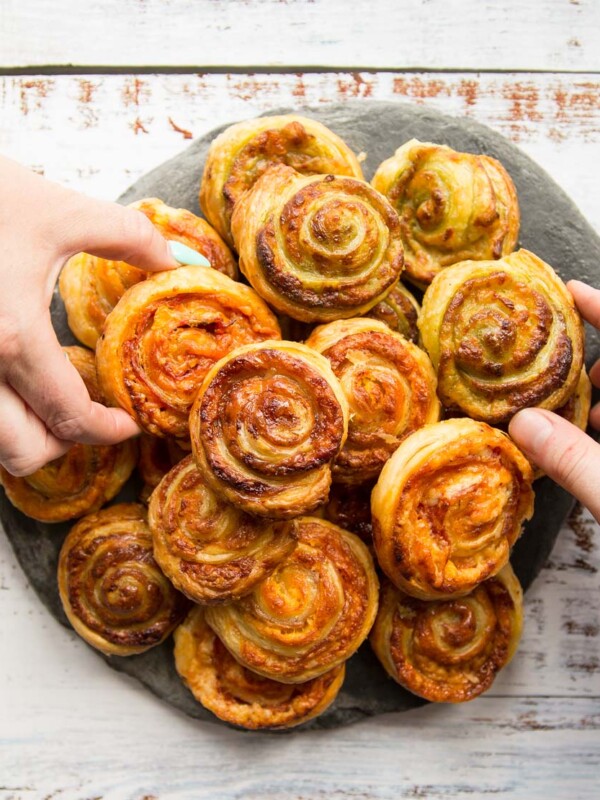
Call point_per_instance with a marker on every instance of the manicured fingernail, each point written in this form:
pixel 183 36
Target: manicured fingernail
pixel 185 255
pixel 531 429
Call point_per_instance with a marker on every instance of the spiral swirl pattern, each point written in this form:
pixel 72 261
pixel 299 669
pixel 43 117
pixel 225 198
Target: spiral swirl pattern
pixel 448 507
pixel 210 550
pixel 502 336
pixel 400 312
pixel 449 651
pixel 317 248
pixel 91 287
pixel 266 425
pixel 452 206
pixel 166 333
pixel 390 387
pixel 310 614
pixel 243 152
pixel 111 589
pixel 84 478
pixel 238 695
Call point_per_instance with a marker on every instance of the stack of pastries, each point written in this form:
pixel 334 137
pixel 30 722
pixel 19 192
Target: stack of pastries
pixel 305 495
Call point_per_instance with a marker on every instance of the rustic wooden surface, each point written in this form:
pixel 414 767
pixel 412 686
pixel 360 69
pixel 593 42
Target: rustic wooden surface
pixel 69 727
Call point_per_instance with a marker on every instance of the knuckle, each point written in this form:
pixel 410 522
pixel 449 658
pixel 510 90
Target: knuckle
pixel 66 425
pixel 22 465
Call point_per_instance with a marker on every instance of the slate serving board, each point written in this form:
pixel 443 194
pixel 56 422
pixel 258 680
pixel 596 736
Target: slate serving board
pixel 552 227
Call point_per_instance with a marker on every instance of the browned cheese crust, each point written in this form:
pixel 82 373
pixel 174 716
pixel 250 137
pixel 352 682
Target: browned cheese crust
pixel 310 614
pixel 111 588
pixel 449 651
pixel 239 696
pixel 210 550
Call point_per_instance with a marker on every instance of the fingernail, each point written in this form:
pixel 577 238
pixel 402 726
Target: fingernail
pixel 531 429
pixel 185 255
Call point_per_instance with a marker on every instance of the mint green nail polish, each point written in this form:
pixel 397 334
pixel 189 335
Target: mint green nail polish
pixel 185 255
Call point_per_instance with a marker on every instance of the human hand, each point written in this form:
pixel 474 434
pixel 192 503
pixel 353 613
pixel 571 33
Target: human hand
pixel 45 405
pixel 560 449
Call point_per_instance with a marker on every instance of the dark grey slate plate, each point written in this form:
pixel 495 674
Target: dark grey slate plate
pixel 552 227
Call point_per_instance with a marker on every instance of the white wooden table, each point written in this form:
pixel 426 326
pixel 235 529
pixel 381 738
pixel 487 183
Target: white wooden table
pixel 94 95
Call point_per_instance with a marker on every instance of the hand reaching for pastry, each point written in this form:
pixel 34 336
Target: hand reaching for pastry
pixel 563 451
pixel 45 405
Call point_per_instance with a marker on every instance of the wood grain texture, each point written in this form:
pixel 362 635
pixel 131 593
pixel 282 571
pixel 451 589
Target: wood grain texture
pixel 113 128
pixel 548 34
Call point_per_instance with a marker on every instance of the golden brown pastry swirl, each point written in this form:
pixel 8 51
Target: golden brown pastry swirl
pixel 449 651
pixel 210 550
pixel 310 614
pixel 266 425
pixel 243 152
pixel 452 206
pixel 91 287
pixel 111 589
pixel 389 384
pixel 502 335
pixel 166 333
pixel 317 248
pixel 448 507
pixel 238 695
pixel 82 479
pixel 400 312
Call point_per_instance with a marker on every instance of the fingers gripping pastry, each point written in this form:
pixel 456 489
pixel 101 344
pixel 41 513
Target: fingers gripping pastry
pixel 210 550
pixel 452 206
pixel 166 333
pixel 449 651
pixel 502 335
pixel 576 410
pixel 236 694
pixel 242 153
pixel 81 480
pixel 448 507
pixel 317 248
pixel 91 287
pixel 266 425
pixel 390 387
pixel 400 312
pixel 310 614
pixel 111 588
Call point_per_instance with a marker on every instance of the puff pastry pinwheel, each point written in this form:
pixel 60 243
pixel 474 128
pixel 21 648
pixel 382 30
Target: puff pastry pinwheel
pixel 449 651
pixel 236 694
pixel 452 206
pixel 310 614
pixel 317 248
pixel 448 507
pixel 84 478
pixel 210 550
pixel 266 425
pixel 242 153
pixel 400 312
pixel 502 335
pixel 157 457
pixel 349 507
pixel 390 387
pixel 164 335
pixel 111 588
pixel 91 287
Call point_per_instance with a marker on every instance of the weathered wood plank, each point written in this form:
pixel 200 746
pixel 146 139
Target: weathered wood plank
pixel 545 35
pixel 114 128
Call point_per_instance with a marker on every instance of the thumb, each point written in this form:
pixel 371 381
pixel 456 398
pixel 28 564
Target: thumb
pixel 563 451
pixel 116 232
